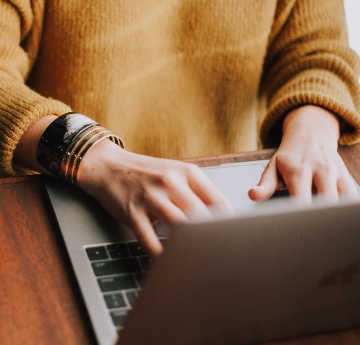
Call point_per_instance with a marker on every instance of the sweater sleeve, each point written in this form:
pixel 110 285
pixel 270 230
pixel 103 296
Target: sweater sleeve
pixel 20 32
pixel 309 62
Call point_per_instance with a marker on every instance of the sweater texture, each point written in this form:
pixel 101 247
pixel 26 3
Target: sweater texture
pixel 175 78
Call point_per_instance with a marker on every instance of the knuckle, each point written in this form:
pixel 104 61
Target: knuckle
pixel 295 168
pixel 191 169
pixel 172 176
pixel 169 178
pixel 291 166
pixel 325 168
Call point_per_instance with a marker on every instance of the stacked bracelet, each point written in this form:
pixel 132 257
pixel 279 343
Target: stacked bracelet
pixel 65 142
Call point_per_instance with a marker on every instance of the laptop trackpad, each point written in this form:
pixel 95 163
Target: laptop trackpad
pixel 235 179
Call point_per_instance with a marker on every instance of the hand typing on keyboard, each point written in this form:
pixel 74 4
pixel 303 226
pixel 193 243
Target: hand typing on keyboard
pixel 307 160
pixel 140 190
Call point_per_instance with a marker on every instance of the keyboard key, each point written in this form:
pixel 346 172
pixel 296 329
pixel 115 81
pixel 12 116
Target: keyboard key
pixel 135 249
pixel 117 283
pixel 115 300
pixel 118 250
pixel 132 296
pixel 97 253
pixel 118 317
pixel 118 266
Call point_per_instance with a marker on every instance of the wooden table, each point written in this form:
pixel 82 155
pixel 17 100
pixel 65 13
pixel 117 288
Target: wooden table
pixel 39 300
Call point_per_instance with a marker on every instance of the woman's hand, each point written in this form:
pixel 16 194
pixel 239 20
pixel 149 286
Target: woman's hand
pixel 307 160
pixel 140 190
pixel 135 189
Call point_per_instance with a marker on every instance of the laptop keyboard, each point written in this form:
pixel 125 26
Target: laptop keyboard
pixel 119 269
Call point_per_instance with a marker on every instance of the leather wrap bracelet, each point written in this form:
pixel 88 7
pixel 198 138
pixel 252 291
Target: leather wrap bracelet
pixel 66 140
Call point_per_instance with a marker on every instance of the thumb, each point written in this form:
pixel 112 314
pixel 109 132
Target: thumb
pixel 268 183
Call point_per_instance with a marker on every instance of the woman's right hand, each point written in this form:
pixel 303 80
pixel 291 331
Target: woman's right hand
pixel 140 190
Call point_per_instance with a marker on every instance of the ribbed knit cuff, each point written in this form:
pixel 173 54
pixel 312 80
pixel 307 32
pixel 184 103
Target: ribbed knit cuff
pixel 325 90
pixel 20 108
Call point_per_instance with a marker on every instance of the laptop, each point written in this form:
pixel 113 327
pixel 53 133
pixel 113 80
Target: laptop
pixel 275 270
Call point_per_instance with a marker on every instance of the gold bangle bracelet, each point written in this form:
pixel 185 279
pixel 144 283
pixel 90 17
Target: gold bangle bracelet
pixel 77 155
pixel 76 147
pixel 81 155
pixel 76 151
pixel 73 146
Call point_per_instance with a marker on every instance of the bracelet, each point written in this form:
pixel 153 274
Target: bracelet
pixel 77 150
pixel 65 141
pixel 57 137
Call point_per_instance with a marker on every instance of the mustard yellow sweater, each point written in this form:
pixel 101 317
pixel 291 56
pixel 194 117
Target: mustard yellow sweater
pixel 175 78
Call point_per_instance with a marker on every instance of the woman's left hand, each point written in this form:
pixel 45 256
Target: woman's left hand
pixel 307 160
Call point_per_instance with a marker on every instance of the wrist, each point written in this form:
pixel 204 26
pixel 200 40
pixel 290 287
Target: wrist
pixel 314 120
pixel 65 142
pixel 100 159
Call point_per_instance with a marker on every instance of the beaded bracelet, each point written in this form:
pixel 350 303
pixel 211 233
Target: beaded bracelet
pixel 65 141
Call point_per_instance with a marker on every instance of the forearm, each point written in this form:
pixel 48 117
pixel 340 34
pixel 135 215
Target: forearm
pixel 25 153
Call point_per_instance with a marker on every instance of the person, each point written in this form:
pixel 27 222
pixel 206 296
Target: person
pixel 176 79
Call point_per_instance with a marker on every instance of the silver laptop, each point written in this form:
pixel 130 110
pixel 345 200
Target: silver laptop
pixel 275 270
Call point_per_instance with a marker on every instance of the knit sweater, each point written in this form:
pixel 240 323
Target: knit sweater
pixel 175 78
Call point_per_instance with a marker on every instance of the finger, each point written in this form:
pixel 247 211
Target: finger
pixel 178 207
pixel 326 186
pixel 267 185
pixel 299 181
pixel 189 203
pixel 145 233
pixel 162 208
pixel 206 191
pixel 347 188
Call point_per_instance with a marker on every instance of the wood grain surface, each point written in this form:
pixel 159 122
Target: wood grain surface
pixel 40 303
